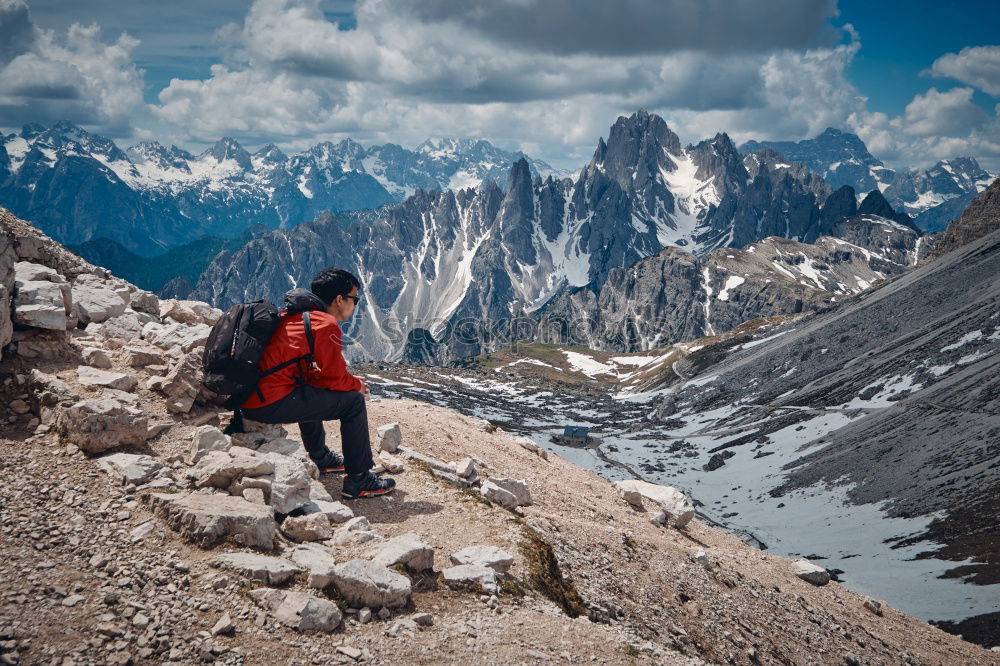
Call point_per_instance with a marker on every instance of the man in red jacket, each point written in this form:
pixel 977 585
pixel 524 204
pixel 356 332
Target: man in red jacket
pixel 323 391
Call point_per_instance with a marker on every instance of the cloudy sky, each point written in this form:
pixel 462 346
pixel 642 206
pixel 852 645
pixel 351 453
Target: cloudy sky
pixel 918 81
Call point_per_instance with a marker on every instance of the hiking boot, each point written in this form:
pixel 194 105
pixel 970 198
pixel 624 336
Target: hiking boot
pixel 331 463
pixel 366 484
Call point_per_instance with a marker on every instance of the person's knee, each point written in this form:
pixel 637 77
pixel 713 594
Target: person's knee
pixel 355 401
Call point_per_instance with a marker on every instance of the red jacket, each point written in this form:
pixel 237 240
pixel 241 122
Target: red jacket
pixel 288 342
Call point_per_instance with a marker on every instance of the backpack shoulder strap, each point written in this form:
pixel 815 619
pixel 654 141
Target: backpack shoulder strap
pixel 309 333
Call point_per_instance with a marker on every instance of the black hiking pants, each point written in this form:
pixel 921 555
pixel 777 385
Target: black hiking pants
pixel 309 407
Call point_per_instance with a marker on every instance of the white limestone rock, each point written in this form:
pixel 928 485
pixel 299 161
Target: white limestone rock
pixel 207 438
pixel 810 572
pixel 363 583
pixel 260 568
pixel 336 512
pixel 407 549
pixel 676 507
pixel 516 487
pixel 318 561
pixel 474 577
pixel 487 556
pixel 102 424
pixel 290 483
pixel 300 611
pixel 208 520
pixel 95 300
pixel 130 468
pixel 390 437
pixel 498 495
pixel 89 376
pixel 96 358
pixel 310 527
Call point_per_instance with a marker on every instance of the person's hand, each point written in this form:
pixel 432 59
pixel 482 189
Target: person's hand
pixel 364 389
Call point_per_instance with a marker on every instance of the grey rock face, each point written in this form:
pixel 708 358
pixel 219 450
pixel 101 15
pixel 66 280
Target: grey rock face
pixel 676 296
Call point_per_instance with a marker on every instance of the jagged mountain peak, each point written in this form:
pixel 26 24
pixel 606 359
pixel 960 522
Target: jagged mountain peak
pixel 228 148
pixel 271 153
pixel 31 130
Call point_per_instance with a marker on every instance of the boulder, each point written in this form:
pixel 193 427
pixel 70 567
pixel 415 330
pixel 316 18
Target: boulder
pixel 96 358
pixel 89 376
pixel 260 568
pixel 219 469
pixel 810 573
pixel 254 496
pixel 363 583
pixel 145 302
pixel 317 491
pixel 207 438
pixel 517 487
pixel 529 444
pixel 465 468
pixel 208 520
pixel 184 337
pixel 178 311
pixel 125 327
pixel 475 577
pixel 310 527
pixel 390 463
pixel 336 512
pixel 498 495
pixel 299 610
pixel 487 556
pixel 182 384
pixel 674 504
pixel 407 549
pixel 41 305
pixel 390 437
pixel 290 483
pixel 318 561
pixel 282 445
pixel 102 424
pixel 130 468
pixel 95 301
pixel 139 357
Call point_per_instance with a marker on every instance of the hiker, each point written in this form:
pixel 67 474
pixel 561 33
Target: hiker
pixel 323 391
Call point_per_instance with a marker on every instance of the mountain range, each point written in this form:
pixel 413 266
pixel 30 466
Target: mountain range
pixel 933 196
pixel 79 187
pixel 460 269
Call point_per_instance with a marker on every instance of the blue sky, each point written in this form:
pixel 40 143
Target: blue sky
pixel 918 81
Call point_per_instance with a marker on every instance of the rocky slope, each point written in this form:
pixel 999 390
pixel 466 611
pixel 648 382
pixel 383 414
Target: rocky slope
pixel 479 259
pixel 676 297
pixel 140 548
pixel 980 218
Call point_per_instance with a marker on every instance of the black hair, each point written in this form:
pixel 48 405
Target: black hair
pixel 333 282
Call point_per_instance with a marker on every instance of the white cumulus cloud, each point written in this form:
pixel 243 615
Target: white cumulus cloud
pixel 46 77
pixel 977 66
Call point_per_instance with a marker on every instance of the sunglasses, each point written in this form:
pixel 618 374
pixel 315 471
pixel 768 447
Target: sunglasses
pixel 356 299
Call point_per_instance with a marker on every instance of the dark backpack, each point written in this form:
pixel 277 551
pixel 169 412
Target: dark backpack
pixel 235 347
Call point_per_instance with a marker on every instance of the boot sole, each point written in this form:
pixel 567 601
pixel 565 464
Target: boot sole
pixel 366 493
